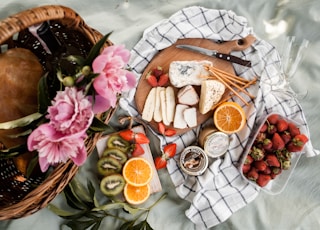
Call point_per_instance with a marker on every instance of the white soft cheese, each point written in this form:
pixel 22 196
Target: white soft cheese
pixel 211 93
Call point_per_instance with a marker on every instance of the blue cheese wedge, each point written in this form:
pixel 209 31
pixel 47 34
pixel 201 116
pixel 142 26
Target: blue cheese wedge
pixel 211 93
pixel 182 73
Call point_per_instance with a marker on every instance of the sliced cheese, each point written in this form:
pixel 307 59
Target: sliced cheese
pixel 157 115
pixel 190 116
pixel 171 103
pixel 163 106
pixel 149 105
pixel 211 93
pixel 188 95
pixel 179 121
pixel 182 73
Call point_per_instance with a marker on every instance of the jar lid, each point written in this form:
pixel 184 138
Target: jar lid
pixel 216 144
pixel 193 160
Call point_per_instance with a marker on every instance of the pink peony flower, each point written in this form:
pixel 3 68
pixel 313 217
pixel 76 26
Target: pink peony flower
pixel 113 77
pixel 71 112
pixel 54 147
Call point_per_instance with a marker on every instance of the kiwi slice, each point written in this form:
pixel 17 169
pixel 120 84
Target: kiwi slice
pixel 116 154
pixel 115 141
pixel 108 165
pixel 112 185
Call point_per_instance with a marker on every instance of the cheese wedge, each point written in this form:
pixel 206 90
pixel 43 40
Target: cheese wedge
pixel 188 95
pixel 149 105
pixel 179 121
pixel 190 116
pixel 182 73
pixel 211 93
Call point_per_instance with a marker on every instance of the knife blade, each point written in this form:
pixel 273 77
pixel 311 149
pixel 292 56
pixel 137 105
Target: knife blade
pixel 215 53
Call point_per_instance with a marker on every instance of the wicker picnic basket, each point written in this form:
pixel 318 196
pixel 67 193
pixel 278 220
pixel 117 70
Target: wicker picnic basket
pixel 19 198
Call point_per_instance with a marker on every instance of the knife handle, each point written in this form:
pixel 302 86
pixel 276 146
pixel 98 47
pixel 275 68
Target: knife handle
pixel 233 59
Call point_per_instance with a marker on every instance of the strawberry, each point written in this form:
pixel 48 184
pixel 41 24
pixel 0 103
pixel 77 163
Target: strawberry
pixel 267 144
pixel 170 150
pixel 263 180
pixel 252 174
pixel 273 119
pixel 152 80
pixel 137 150
pixel 286 164
pixel 277 142
pixel 293 129
pixel 263 128
pixel 257 153
pixel 248 160
pixel 286 137
pixel 163 79
pixel 300 139
pixel 260 165
pixel 246 168
pixel 134 137
pixel 260 137
pixel 170 132
pixel 267 170
pixel 282 125
pixel 276 170
pixel 161 128
pixel 272 160
pixel 292 147
pixel 157 72
pixel 160 162
pixel 272 129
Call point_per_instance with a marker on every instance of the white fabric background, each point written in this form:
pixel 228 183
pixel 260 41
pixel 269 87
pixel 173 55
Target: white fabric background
pixel 298 206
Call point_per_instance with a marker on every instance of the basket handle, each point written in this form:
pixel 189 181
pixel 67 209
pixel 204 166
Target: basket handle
pixel 21 21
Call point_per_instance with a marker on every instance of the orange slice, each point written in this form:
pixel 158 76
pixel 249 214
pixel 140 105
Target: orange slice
pixel 229 117
pixel 137 171
pixel 136 195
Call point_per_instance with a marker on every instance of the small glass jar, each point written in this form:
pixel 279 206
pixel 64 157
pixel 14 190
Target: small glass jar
pixel 214 142
pixel 193 161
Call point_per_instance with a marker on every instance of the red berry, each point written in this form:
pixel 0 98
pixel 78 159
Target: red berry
pixel 252 174
pixel 260 165
pixel 273 119
pixel 158 71
pixel 293 129
pixel 137 150
pixel 263 180
pixel 163 79
pixel 263 128
pixel 282 125
pixel 272 160
pixel 267 144
pixel 160 162
pixel 248 160
pixel 246 168
pixel 152 80
pixel 277 142
pixel 286 137
pixel 170 150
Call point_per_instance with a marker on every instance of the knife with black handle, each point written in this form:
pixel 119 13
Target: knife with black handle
pixel 214 53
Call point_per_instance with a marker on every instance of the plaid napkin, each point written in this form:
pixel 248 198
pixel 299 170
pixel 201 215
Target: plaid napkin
pixel 221 190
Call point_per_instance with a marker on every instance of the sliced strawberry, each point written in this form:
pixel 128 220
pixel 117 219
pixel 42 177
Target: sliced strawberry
pixel 170 132
pixel 141 138
pixel 137 150
pixel 163 79
pixel 152 80
pixel 170 150
pixel 161 128
pixel 127 135
pixel 160 162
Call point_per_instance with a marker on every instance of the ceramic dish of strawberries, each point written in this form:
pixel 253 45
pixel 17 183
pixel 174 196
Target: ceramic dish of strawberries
pixel 273 153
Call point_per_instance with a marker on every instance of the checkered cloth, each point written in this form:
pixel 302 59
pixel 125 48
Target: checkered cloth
pixel 221 190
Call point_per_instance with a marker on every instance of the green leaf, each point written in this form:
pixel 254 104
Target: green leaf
pixel 43 95
pixel 59 212
pixel 72 200
pixel 127 225
pixel 21 122
pixel 80 191
pixel 80 225
pixel 95 51
pixel 96 226
pixel 117 205
pixel 99 126
pixel 13 152
pixel 91 188
pixel 143 225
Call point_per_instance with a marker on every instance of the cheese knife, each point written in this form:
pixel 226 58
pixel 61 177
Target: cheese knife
pixel 215 53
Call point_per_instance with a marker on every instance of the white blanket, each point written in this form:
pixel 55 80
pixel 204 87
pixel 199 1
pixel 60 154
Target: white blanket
pixel 221 190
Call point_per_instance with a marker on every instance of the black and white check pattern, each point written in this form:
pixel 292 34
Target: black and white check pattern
pixel 221 190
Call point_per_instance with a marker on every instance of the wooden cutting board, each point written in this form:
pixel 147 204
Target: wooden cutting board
pixel 166 56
